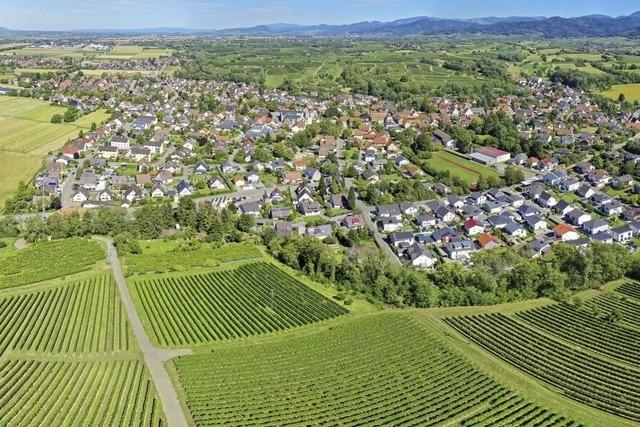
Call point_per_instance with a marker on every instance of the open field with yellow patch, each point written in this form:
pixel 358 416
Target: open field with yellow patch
pixel 630 91
pixel 135 52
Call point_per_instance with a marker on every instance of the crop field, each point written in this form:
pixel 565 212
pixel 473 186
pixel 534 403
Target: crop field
pixel 81 317
pixel 630 91
pixel 467 170
pixel 135 52
pixel 15 167
pixel 51 52
pixel 253 299
pixel 629 310
pixel 378 370
pixel 630 290
pixel 98 117
pixel 587 331
pixel 165 256
pixel 33 137
pixel 27 134
pixel 48 260
pixel 580 375
pixel 104 393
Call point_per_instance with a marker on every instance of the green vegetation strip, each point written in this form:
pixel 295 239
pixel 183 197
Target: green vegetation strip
pixel 380 370
pixel 577 374
pixel 250 300
pixel 48 260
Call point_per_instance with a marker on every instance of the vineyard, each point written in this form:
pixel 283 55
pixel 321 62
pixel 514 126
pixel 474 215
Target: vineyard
pixel 577 374
pixel 586 331
pixel 381 370
pixel 630 289
pixel 48 260
pixel 50 393
pixel 253 299
pixel 608 303
pixel 79 318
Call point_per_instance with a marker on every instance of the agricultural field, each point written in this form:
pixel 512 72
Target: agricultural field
pixel 15 167
pixel 631 290
pixel 51 52
pixel 27 135
pixel 135 52
pixel 587 331
pixel 580 375
pixel 630 91
pixel 159 256
pixel 81 317
pixel 250 300
pixel 378 370
pixel 609 303
pixel 67 353
pixel 97 117
pixel 48 260
pixel 467 170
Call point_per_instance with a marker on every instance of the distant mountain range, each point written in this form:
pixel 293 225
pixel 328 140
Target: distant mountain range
pixel 538 26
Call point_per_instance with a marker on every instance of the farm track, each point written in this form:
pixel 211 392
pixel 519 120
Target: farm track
pixel 154 357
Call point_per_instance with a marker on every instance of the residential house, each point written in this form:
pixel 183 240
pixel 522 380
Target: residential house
pixel 565 232
pixel 595 226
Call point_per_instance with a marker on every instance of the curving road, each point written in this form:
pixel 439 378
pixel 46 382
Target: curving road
pixel 154 357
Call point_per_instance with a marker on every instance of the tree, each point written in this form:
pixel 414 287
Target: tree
pixel 245 222
pixel 351 198
pixel 513 175
pixel 187 214
pixel 57 118
pixel 126 243
pixel 621 97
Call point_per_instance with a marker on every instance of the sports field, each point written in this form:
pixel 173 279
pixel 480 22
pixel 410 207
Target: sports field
pixel 467 170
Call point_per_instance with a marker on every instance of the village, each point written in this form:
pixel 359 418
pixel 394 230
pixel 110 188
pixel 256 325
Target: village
pixel 301 165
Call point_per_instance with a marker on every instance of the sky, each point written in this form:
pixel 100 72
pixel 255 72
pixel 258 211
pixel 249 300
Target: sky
pixel 218 14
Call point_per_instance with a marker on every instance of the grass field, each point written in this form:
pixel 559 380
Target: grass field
pixel 160 256
pixel 51 52
pixel 15 167
pixel 630 91
pixel 27 135
pixel 381 370
pixel 467 170
pixel 250 300
pixel 48 260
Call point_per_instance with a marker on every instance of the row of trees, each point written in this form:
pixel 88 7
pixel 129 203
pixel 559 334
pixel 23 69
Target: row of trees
pixel 497 276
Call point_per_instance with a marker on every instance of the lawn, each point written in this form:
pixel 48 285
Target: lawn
pixel 630 91
pixel 467 170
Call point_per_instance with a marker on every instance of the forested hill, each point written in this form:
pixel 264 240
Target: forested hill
pixel 584 26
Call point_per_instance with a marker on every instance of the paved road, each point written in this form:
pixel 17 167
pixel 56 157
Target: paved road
pixel 382 244
pixel 153 356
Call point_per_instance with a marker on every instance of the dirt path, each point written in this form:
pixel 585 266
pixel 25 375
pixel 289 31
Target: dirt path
pixel 153 356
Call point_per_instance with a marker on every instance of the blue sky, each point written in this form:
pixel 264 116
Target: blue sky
pixel 216 14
